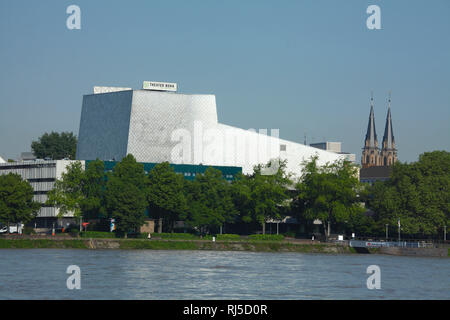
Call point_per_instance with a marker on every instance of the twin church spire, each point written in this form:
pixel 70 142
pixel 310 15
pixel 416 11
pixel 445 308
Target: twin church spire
pixel 371 155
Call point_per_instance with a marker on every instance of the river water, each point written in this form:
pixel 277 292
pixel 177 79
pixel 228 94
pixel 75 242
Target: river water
pixel 147 274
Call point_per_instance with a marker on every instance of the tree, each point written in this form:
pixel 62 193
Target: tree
pixel 329 193
pixel 80 191
pixel 55 146
pixel 261 197
pixel 165 193
pixel 417 193
pixel 125 195
pixel 67 193
pixel 94 184
pixel 210 201
pixel 16 200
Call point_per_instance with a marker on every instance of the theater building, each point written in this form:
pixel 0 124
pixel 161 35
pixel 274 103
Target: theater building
pixel 157 124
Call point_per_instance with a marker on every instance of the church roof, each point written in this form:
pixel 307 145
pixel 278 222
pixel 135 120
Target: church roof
pixel 388 138
pixel 371 134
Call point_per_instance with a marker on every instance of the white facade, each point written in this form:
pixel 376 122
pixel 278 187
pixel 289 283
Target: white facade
pixel 336 148
pixel 2 161
pixel 41 174
pixel 179 128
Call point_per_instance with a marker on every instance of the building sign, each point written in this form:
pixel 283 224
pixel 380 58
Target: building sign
pixel 159 86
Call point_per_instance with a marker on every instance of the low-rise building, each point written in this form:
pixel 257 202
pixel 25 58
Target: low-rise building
pixel 42 174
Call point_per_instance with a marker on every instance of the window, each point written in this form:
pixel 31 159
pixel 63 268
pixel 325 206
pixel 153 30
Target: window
pixel 282 147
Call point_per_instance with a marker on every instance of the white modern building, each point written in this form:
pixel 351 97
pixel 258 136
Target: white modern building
pixel 156 126
pixel 2 161
pixel 41 174
pixel 336 148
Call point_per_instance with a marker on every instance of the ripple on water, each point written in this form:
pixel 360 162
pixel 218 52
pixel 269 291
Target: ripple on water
pixel 121 274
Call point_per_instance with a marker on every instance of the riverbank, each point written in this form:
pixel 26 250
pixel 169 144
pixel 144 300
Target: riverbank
pixel 132 244
pixel 157 244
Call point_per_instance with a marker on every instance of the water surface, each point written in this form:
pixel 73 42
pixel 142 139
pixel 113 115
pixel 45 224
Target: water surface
pixel 153 274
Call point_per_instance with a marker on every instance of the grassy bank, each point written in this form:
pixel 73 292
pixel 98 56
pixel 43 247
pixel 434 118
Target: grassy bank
pixel 42 243
pixel 252 245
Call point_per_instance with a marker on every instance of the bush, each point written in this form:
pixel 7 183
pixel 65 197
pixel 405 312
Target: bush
pixel 143 235
pixel 28 230
pixel 97 234
pixel 225 236
pixel 290 234
pixel 74 232
pixel 176 236
pixel 271 237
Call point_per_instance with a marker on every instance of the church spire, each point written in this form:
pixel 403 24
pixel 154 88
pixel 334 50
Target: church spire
pixel 371 154
pixel 388 153
pixel 371 135
pixel 388 138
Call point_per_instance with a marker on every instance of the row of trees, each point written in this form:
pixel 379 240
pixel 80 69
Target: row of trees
pixel 207 202
pixel 418 194
pixel 329 193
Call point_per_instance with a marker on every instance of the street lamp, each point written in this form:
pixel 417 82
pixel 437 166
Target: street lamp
pixel 387 235
pixel 445 233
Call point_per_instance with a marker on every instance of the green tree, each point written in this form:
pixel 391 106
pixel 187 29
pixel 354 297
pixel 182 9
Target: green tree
pixel 67 193
pixel 165 194
pixel 55 146
pixel 210 201
pixel 94 184
pixel 329 193
pixel 16 200
pixel 417 193
pixel 80 191
pixel 125 195
pixel 259 197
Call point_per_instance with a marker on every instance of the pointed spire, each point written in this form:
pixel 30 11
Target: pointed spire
pixel 388 138
pixel 371 135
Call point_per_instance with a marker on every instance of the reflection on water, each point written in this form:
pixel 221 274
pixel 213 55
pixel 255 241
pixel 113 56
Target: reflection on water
pixel 145 274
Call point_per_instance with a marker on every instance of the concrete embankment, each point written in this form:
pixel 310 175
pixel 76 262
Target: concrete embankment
pixel 417 252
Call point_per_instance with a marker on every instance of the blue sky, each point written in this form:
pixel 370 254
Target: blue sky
pixel 299 66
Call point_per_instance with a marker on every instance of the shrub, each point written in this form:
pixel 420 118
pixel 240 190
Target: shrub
pixel 290 234
pixel 97 234
pixel 271 237
pixel 225 236
pixel 74 232
pixel 176 236
pixel 28 230
pixel 143 235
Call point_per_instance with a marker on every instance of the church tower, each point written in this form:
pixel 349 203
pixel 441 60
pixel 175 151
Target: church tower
pixel 388 152
pixel 371 152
